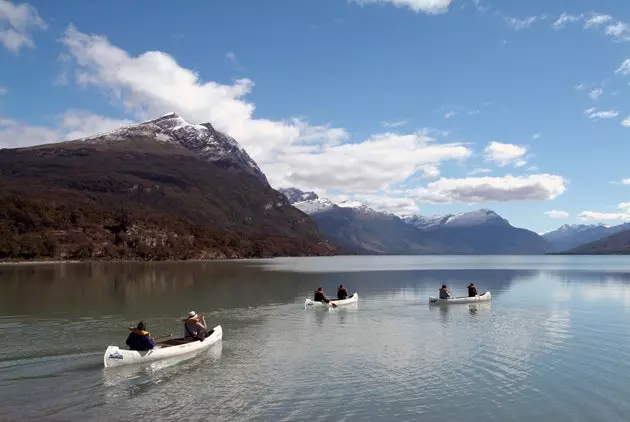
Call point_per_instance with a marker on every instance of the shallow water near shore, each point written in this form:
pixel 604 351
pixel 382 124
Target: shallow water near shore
pixel 553 344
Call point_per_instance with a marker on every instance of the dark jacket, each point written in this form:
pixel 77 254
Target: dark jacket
pixel 472 291
pixel 342 294
pixel 444 294
pixel 320 297
pixel 140 340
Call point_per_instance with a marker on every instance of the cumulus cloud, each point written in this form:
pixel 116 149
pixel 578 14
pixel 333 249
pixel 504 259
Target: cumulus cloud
pixel 626 122
pixel 71 125
pixel 557 214
pixel 504 154
pixel 616 29
pixel 592 113
pixel 291 152
pixel 603 216
pixel 626 181
pixel 418 6
pixel 492 189
pixel 16 23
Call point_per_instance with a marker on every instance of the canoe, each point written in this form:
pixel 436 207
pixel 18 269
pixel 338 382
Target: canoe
pixel 354 298
pixel 115 356
pixel 465 299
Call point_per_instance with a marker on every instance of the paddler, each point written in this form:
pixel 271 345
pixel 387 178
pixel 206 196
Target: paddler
pixel 342 293
pixel 444 292
pixel 472 290
pixel 195 326
pixel 320 296
pixel 139 338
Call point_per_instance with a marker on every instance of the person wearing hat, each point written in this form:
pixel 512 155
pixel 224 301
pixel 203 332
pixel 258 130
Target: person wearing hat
pixel 472 290
pixel 139 338
pixel 444 292
pixel 342 293
pixel 195 326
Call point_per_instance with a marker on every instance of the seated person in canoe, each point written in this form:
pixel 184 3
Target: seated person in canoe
pixel 195 326
pixel 139 338
pixel 472 290
pixel 444 292
pixel 320 296
pixel 342 293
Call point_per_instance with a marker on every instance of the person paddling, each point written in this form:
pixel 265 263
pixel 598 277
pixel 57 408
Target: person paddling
pixel 472 290
pixel 444 292
pixel 342 293
pixel 139 338
pixel 195 326
pixel 321 297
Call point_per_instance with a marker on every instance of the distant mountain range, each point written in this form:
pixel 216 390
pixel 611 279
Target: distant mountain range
pixel 169 189
pixel 357 227
pixel 571 236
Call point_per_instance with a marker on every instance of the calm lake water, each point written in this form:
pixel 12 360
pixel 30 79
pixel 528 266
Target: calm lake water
pixel 553 345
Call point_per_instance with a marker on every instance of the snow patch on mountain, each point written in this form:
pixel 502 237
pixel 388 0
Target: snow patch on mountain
pixel 466 219
pixel 203 139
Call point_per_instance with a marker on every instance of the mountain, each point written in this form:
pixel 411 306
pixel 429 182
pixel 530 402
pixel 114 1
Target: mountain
pixel 571 236
pixel 354 225
pixel 360 229
pixel 616 244
pixel 161 189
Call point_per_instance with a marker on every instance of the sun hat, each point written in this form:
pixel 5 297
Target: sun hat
pixel 192 314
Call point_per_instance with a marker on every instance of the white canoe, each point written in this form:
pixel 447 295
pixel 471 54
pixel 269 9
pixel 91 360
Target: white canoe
pixel 115 356
pixel 350 299
pixel 480 298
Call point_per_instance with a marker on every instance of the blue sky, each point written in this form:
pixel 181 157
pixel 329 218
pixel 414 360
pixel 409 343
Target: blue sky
pixel 429 106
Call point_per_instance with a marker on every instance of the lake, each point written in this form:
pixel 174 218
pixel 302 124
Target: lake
pixel 552 345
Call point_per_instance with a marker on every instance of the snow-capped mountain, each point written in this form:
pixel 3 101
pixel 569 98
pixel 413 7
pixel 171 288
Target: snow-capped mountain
pixel 307 202
pixel 570 236
pixel 202 138
pixel 466 219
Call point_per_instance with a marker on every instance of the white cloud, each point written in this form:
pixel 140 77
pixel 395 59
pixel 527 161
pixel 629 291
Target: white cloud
pixel 596 93
pixel 532 168
pixel 597 20
pixel 620 31
pixel 626 181
pixel 16 23
pixel 536 136
pixel 603 216
pixel 624 206
pixel 564 19
pixel 557 214
pixel 291 152
pixel 479 171
pixel 626 122
pixel 394 124
pixel 70 125
pixel 489 189
pixel 372 165
pixel 624 69
pixel 450 114
pixel 384 203
pixel 3 90
pixel 596 115
pixel 580 86
pixel 518 24
pixel 504 154
pixel 424 6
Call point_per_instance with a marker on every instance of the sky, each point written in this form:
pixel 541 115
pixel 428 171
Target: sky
pixel 410 106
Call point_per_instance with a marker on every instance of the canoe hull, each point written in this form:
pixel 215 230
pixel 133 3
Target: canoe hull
pixel 115 356
pixel 481 298
pixel 309 303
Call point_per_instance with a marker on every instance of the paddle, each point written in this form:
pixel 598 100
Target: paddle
pixel 161 337
pixel 332 305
